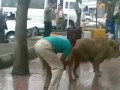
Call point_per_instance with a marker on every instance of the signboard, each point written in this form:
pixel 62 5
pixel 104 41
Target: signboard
pixel 89 3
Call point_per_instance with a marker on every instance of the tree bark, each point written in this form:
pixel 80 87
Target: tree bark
pixel 21 64
pixel 110 8
pixel 78 13
pixel 78 23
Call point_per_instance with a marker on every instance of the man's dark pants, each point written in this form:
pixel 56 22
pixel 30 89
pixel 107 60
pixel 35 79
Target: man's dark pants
pixel 47 28
pixel 2 35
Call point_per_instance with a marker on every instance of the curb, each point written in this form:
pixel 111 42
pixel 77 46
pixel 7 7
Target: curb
pixel 31 53
pixel 6 60
pixel 58 33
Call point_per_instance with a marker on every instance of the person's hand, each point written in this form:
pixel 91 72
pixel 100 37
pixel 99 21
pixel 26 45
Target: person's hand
pixel 66 62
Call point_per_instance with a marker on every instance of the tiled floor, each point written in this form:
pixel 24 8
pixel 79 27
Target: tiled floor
pixel 110 79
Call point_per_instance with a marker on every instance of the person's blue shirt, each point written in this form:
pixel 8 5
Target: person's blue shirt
pixel 60 44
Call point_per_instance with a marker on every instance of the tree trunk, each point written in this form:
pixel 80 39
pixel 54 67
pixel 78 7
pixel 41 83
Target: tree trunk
pixel 78 13
pixel 110 5
pixel 20 65
pixel 78 23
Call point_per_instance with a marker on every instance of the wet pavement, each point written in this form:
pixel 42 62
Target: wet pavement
pixel 110 79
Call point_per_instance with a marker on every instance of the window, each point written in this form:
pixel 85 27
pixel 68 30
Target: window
pixel 39 4
pixel 72 5
pixel 9 3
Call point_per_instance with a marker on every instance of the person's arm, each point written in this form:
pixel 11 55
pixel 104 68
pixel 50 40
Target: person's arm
pixel 65 55
pixel 63 59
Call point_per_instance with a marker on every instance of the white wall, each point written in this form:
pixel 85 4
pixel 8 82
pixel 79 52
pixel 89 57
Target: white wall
pixel 0 3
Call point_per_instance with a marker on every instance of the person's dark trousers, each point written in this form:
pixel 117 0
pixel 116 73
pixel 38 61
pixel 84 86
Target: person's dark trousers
pixel 2 35
pixel 47 28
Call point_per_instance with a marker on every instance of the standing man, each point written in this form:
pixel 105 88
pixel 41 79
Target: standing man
pixel 47 49
pixel 48 20
pixel 2 26
pixel 117 25
pixel 60 19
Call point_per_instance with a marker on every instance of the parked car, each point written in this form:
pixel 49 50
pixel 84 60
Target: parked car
pixel 88 18
pixel 33 29
pixel 92 25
